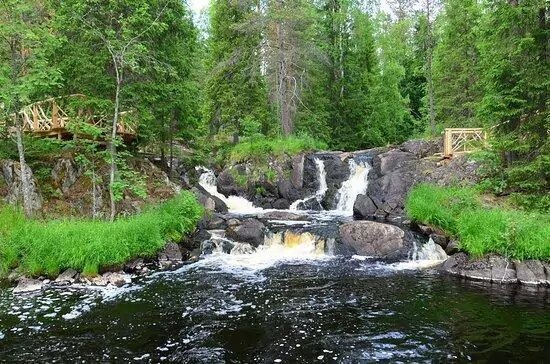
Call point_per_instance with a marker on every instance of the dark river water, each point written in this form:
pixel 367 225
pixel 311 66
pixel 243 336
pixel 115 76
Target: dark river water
pixel 292 311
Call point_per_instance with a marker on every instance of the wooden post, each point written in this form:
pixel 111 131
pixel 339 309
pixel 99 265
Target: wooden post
pixel 55 116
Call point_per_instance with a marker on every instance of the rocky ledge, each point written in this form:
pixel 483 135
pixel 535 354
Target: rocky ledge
pixel 497 269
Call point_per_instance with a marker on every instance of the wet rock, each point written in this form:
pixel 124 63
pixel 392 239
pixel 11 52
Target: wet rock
pixel 117 279
pixel 531 272
pixel 281 204
pixel 364 207
pixel 212 222
pixel 226 182
pixel 217 244
pixel 28 285
pixel 67 277
pixel 65 173
pixel 11 171
pixel 209 201
pixel 247 231
pixel 439 239
pixel 287 190
pixel 242 248
pixel 170 255
pixel 297 174
pixel 491 268
pixel 373 239
pixel 283 215
pixel 452 247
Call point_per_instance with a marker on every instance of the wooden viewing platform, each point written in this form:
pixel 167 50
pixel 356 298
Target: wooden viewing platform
pixel 51 118
pixel 462 140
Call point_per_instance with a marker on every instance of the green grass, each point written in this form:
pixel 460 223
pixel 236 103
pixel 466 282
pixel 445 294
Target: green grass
pixel 481 229
pixel 260 149
pixel 89 246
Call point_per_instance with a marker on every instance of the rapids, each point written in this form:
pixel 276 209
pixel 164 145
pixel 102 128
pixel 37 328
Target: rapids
pixel 290 300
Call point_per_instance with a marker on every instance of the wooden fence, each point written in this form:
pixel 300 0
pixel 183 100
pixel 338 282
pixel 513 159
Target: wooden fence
pixel 462 140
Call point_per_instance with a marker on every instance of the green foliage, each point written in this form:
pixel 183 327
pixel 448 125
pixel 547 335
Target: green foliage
pixel 48 247
pixel 261 149
pixel 481 229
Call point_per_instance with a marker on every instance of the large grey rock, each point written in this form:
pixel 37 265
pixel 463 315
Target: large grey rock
pixel 491 268
pixel 297 174
pixel 531 272
pixel 209 201
pixel 65 173
pixel 364 207
pixel 28 285
pixel 371 238
pixel 422 148
pixel 11 172
pixel 283 215
pixel 250 231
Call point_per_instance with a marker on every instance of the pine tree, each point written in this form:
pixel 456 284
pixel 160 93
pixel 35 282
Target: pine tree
pixel 456 62
pixel 515 64
pixel 235 93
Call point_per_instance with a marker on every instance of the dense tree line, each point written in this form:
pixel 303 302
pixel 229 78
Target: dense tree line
pixel 341 71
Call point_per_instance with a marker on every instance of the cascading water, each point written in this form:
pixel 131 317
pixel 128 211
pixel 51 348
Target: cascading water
pixel 429 255
pixel 356 184
pixel 235 204
pixel 321 191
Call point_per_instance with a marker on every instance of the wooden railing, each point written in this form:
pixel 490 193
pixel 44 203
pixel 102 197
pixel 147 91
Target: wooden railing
pixel 462 140
pixel 51 118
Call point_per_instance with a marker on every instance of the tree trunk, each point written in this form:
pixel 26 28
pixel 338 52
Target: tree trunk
pixel 25 183
pixel 429 70
pixel 112 144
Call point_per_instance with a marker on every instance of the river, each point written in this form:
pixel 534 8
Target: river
pixel 286 302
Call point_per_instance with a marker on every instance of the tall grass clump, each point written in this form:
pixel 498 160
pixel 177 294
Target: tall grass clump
pixel 48 247
pixel 481 229
pixel 260 148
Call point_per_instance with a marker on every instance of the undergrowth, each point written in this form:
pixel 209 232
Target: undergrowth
pixel 48 247
pixel 481 229
pixel 260 149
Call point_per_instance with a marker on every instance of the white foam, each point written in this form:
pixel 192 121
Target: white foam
pixel 235 204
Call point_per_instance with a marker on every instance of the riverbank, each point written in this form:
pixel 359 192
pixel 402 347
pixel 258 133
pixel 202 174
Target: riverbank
pixel 47 248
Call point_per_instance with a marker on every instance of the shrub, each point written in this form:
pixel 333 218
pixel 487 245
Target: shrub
pixel 260 148
pixel 48 247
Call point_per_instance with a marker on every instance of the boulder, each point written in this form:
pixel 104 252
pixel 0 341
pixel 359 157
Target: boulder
pixel 67 277
pixel 28 285
pixel 134 266
pixel 422 148
pixel 212 222
pixel 248 231
pixel 216 244
pixel 531 272
pixel 170 255
pixel 281 204
pixel 11 172
pixel 242 248
pixel 283 215
pixel 491 268
pixel 209 201
pixel 364 207
pixel 373 239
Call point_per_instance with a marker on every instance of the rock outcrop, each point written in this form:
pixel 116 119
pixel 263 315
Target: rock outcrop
pixel 374 239
pixel 11 171
pixel 497 269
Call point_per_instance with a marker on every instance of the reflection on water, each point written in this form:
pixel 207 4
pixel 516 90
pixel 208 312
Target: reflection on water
pixel 294 310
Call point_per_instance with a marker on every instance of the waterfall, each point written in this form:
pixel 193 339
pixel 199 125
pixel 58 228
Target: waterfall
pixel 236 204
pixel 320 193
pixel 355 185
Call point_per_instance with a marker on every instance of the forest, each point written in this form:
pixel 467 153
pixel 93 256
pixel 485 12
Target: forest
pixel 342 72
